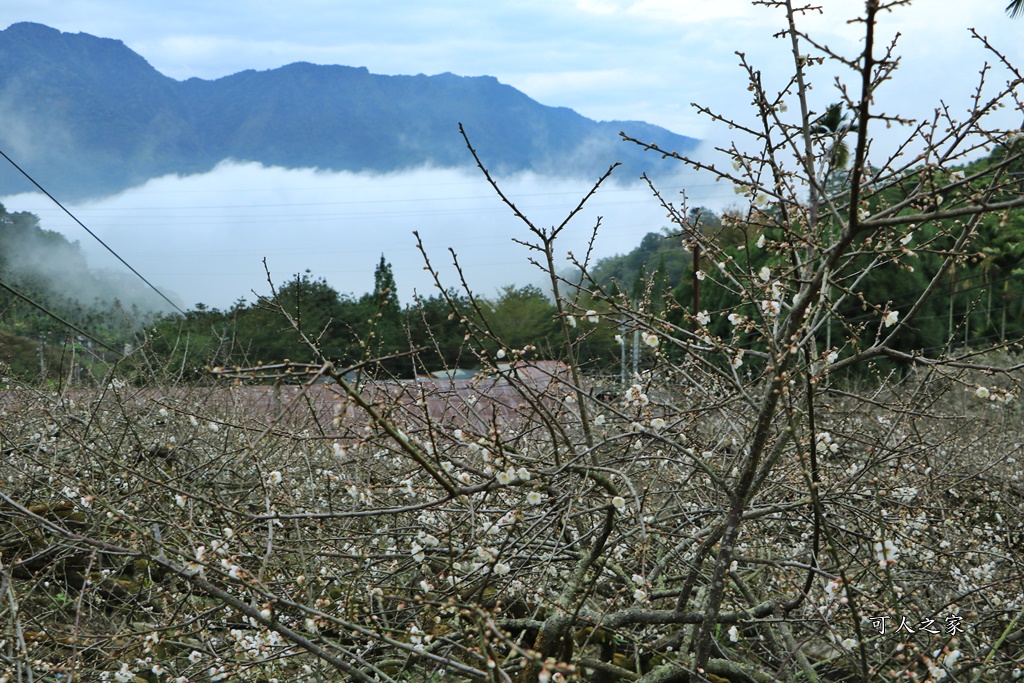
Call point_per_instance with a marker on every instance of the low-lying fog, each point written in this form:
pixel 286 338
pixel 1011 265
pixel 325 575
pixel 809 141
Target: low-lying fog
pixel 203 238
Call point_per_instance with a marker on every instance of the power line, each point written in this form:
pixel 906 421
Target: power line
pixel 94 235
pixel 57 317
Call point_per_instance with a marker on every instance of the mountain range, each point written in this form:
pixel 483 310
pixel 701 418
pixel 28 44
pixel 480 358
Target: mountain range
pixel 88 117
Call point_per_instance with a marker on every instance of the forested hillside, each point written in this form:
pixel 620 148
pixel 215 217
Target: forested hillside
pixel 45 277
pixel 87 116
pixel 980 302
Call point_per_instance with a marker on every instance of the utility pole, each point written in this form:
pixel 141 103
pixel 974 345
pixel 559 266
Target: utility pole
pixel 636 346
pixel 622 351
pixel 696 284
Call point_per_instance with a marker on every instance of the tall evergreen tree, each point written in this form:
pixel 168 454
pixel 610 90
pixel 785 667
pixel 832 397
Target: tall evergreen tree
pixel 384 290
pixel 383 312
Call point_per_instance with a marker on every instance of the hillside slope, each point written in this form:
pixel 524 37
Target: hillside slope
pixel 87 116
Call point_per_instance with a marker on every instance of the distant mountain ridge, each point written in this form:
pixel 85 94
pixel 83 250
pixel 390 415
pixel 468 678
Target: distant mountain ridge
pixel 87 117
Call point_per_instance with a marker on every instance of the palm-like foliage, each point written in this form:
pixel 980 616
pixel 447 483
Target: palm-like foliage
pixel 834 125
pixel 1015 8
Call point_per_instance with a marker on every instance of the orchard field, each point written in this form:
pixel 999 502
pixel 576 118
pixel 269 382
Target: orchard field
pixel 805 479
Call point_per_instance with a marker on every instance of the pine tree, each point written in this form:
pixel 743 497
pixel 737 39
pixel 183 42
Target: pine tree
pixel 385 293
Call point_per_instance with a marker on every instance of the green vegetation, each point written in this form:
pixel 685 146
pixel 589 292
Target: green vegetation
pixel 762 502
pixel 980 300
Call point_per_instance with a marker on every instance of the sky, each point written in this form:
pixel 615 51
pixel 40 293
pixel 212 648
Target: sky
pixel 205 237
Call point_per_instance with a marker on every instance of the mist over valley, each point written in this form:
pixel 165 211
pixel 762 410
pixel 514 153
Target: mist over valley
pixel 203 238
pixel 318 168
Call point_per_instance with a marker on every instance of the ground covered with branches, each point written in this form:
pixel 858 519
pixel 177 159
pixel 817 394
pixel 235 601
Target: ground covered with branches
pixel 798 484
pixel 186 536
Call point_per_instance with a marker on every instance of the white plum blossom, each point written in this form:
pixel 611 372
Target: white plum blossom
pixel 765 274
pixel 982 393
pixel 414 636
pixel 890 318
pixel 734 634
pixel 619 502
pixel 886 552
pixel 635 395
pixel 428 540
pixel 760 241
pixel 703 318
pixel 600 420
pixel 534 498
pixel 736 318
pixel 737 360
pixel 275 478
pixel 640 595
pixel 179 500
pixel 570 320
pixel 831 357
pixel 700 275
pixel 651 340
pixel 937 673
pixel 824 442
pixel 657 424
pixel 592 317
pixel 501 568
pixel 124 675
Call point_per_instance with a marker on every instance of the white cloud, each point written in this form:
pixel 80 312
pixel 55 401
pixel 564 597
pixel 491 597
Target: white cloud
pixel 692 12
pixel 204 237
pixel 608 59
pixel 672 53
pixel 601 6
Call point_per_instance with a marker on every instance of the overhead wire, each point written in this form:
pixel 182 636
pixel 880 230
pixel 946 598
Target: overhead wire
pixel 59 319
pixel 94 235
